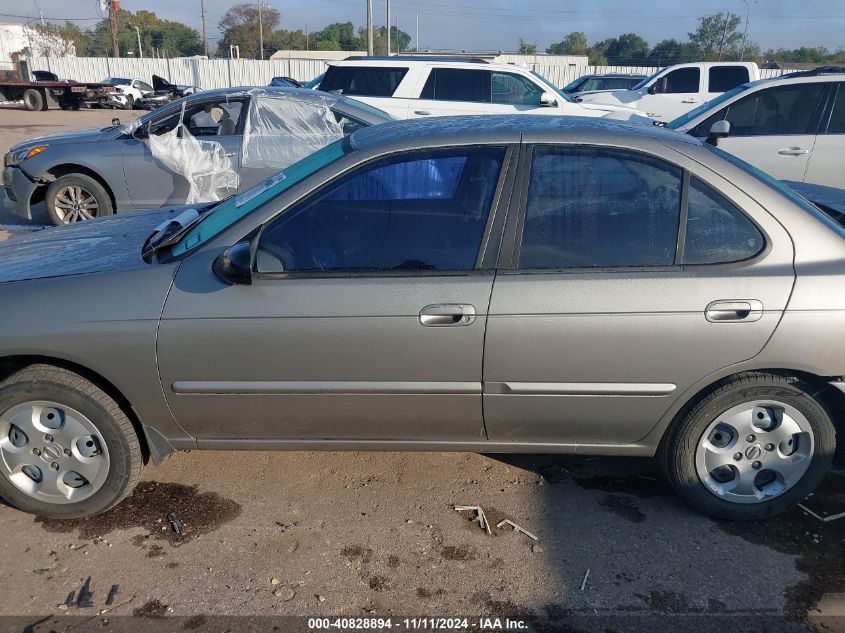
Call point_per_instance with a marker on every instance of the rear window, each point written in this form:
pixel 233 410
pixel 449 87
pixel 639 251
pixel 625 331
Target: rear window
pixel 724 78
pixel 363 81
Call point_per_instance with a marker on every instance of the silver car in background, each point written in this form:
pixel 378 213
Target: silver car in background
pixel 491 284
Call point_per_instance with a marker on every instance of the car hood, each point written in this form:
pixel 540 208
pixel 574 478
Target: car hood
pixel 64 138
pixel 105 244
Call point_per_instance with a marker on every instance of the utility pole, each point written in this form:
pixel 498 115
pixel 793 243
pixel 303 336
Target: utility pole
pixel 260 29
pixel 306 37
pixel 724 34
pixel 140 50
pixel 748 5
pixel 204 38
pixel 369 27
pixel 114 7
pixel 388 28
pixel 417 40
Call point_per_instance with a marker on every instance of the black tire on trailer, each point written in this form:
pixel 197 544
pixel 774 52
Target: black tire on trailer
pixel 33 100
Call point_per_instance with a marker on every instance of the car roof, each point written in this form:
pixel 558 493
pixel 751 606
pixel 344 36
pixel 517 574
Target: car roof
pixel 405 62
pixel 508 128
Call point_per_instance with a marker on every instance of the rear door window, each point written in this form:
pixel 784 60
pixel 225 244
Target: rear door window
pixel 454 84
pixel 604 208
pixel 837 117
pixel 724 78
pixel 363 81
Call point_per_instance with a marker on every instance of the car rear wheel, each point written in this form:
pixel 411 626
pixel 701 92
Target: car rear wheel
pixel 76 197
pixel 33 100
pixel 67 450
pixel 130 102
pixel 750 449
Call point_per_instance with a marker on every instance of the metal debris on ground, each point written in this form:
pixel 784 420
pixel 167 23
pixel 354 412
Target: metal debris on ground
pixel 175 523
pixel 480 516
pixel 516 528
pixel 584 582
pixel 83 598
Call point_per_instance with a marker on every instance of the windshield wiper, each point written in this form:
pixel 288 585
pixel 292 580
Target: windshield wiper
pixel 170 231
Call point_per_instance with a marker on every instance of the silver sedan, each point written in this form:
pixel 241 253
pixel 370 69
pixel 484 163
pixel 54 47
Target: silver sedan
pixel 505 284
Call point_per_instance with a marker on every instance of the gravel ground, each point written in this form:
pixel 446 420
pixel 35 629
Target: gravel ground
pixel 375 534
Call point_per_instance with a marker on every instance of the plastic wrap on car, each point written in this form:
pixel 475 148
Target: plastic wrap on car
pixel 282 129
pixel 203 163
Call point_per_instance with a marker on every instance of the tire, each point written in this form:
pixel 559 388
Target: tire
pixel 782 400
pixel 119 461
pixel 130 102
pixel 33 100
pixel 75 197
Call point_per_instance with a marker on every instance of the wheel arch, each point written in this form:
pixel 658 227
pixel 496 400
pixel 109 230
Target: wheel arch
pixel 63 169
pixel 829 396
pixel 153 445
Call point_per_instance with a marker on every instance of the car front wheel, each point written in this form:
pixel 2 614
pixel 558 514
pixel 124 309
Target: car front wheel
pixel 76 197
pixel 750 449
pixel 67 450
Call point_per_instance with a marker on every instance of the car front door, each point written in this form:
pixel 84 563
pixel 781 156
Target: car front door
pixel 152 183
pixel 602 317
pixel 825 166
pixel 365 319
pixel 511 93
pixel 774 128
pixel 674 93
pixel 451 91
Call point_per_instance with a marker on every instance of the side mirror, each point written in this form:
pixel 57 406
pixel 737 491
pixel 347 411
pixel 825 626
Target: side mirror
pixel 720 129
pixel 234 265
pixel 115 121
pixel 548 99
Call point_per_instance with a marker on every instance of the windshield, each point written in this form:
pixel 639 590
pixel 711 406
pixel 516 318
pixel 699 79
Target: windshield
pixel 117 81
pixel 572 85
pixel 704 107
pixel 646 80
pixel 557 90
pixel 781 188
pixel 234 208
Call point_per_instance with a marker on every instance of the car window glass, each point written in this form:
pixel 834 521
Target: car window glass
pixel 214 119
pixel 717 231
pixel 514 89
pixel 772 111
pixel 454 84
pixel 682 80
pixel 837 117
pixel 144 86
pixel 724 78
pixel 365 81
pixel 600 208
pixel 420 211
pixel 592 84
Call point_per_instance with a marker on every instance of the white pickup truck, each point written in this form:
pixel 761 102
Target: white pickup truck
pixel 675 90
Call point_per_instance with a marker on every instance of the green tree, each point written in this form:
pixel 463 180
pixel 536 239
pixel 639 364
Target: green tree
pixel 629 49
pixel 671 51
pixel 717 36
pixel 241 27
pixel 573 44
pixel 170 38
pixel 526 48
pixel 287 40
pixel 339 36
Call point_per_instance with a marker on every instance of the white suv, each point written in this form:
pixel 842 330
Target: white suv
pixel 412 86
pixel 128 91
pixel 792 128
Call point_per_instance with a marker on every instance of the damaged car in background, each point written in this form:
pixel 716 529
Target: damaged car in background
pixel 202 148
pixel 163 92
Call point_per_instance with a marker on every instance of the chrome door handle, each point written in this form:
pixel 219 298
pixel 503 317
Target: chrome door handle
pixel 690 101
pixel 445 314
pixel 744 310
pixel 232 154
pixel 793 151
pixel 422 112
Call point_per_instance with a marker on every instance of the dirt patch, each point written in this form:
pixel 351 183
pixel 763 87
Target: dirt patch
pixel 820 548
pixel 357 552
pixel 151 609
pixel 623 507
pixel 393 561
pixel 461 552
pixel 148 506
pixel 378 583
pixel 194 622
pixel 423 592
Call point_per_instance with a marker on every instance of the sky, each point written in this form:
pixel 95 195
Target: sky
pixel 497 24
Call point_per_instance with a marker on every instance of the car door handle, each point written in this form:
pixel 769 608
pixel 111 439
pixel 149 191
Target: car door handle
pixel 422 112
pixel 689 101
pixel 744 310
pixel 232 154
pixel 445 314
pixel 793 151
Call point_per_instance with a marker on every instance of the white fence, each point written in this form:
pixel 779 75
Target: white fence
pixel 224 73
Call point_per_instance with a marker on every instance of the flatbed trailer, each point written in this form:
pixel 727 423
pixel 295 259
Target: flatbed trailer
pixel 42 95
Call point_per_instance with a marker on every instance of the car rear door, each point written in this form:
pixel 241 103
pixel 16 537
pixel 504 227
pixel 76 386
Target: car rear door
pixel 825 166
pixel 451 91
pixel 773 128
pixel 366 318
pixel 601 315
